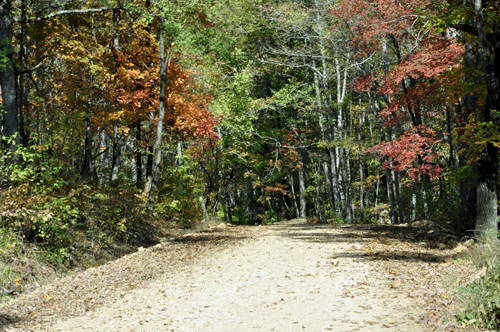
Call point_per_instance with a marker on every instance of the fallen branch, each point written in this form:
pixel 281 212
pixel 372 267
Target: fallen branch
pixel 124 231
pixel 8 292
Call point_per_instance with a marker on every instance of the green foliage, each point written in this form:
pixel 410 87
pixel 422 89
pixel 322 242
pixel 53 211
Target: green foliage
pixel 338 218
pixel 482 297
pixel 235 103
pixel 4 59
pixel 13 266
pixel 178 196
pixel 44 207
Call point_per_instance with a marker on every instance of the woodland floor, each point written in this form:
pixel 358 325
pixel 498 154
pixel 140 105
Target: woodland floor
pixel 289 276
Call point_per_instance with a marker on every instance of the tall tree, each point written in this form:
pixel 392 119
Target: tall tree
pixel 8 73
pixel 487 196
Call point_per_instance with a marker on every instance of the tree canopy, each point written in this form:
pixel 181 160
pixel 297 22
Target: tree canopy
pixel 265 109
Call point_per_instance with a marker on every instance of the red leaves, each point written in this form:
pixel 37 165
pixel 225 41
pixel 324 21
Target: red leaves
pixel 416 74
pixel 363 83
pixel 406 151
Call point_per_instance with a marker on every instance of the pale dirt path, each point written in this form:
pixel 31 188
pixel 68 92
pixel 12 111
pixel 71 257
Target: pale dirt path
pixel 287 279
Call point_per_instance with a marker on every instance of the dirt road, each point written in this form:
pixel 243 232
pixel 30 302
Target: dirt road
pixel 289 277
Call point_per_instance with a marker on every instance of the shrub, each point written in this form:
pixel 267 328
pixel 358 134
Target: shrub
pixel 482 297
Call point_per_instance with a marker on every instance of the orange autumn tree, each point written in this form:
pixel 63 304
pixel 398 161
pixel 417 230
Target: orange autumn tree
pixel 103 83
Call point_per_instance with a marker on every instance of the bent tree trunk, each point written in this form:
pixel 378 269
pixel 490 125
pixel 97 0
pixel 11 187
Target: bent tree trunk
pixel 152 182
pixel 8 74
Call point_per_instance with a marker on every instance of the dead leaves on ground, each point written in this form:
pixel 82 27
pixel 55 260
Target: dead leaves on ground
pixel 87 291
pixel 418 262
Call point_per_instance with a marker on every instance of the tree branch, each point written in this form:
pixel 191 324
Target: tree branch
pixel 66 12
pixel 27 71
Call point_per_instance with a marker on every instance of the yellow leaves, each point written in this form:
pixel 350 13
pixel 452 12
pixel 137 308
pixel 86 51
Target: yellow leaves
pixel 248 174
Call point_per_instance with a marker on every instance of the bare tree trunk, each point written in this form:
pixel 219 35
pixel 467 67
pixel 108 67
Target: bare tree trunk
pixel 87 153
pixel 152 182
pixel 390 191
pixel 398 196
pixel 331 129
pixel 302 185
pixel 228 208
pixel 138 156
pixel 115 160
pixel 360 160
pixel 487 210
pixel 115 157
pixel 347 191
pixel 294 197
pixel 325 151
pixel 104 158
pixel 8 76
pixel 487 218
pixel 23 84
pixel 178 159
pixel 328 181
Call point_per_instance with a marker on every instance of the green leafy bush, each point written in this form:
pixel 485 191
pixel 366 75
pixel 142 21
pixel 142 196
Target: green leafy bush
pixel 482 297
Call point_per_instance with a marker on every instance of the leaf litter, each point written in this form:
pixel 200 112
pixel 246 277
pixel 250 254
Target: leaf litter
pixel 411 261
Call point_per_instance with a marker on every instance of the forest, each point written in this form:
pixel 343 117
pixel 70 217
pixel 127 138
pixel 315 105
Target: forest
pixel 123 115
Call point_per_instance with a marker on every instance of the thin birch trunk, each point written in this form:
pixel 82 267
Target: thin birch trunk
pixel 294 197
pixel 115 161
pixel 324 151
pixel 302 185
pixel 152 182
pixel 360 160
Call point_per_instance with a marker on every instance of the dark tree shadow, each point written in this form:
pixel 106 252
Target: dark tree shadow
pixel 386 234
pixel 209 238
pixel 8 320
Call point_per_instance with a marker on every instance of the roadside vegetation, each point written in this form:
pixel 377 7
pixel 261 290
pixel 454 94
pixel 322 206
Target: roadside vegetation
pixel 481 298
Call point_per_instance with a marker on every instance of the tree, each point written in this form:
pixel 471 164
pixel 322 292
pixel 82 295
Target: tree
pixel 8 74
pixel 487 196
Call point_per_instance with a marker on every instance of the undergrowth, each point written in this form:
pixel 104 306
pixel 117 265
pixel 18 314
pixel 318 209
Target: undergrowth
pixel 482 297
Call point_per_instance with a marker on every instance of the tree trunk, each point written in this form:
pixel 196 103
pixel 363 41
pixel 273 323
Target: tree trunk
pixel 178 159
pixel 487 218
pixel 390 191
pixel 328 181
pixel 115 160
pixel 87 153
pixel 24 85
pixel 294 197
pixel 302 186
pixel 331 129
pixel 228 208
pixel 104 157
pixel 347 185
pixel 8 76
pixel 360 160
pixel 152 182
pixel 325 151
pixel 138 156
pixel 335 182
